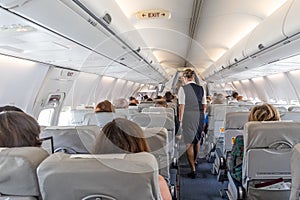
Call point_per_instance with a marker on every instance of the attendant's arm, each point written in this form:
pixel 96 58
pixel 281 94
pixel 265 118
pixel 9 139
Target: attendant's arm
pixel 181 110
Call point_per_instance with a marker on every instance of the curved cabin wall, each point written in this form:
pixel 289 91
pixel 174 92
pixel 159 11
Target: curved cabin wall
pixel 20 81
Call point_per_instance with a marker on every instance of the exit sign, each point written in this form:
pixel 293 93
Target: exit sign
pixel 153 14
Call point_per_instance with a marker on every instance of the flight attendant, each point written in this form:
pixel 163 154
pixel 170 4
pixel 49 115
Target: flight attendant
pixel 192 106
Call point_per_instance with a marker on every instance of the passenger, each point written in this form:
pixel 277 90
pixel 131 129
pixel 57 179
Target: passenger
pixel 208 99
pixel 145 97
pixel 120 103
pixel 124 136
pixel 104 106
pixel 149 100
pixel 264 112
pixel 239 98
pixel 205 121
pixel 158 97
pixel 234 97
pixel 133 101
pixel 10 108
pixel 192 106
pixel 169 97
pixel 18 129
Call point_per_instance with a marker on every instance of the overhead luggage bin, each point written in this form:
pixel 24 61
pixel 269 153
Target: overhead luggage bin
pixel 291 24
pixel 268 32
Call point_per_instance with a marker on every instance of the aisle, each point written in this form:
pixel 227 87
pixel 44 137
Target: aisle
pixel 204 187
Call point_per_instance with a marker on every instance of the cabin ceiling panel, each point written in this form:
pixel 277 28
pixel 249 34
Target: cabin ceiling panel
pixel 221 25
pixel 162 34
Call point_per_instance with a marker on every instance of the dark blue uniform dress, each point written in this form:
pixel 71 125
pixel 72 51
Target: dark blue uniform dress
pixel 193 116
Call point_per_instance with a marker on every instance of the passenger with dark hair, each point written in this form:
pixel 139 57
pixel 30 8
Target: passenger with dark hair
pixel 18 129
pixel 104 106
pixel 149 100
pixel 234 97
pixel 10 108
pixel 192 106
pixel 133 101
pixel 145 97
pixel 124 136
pixel 169 97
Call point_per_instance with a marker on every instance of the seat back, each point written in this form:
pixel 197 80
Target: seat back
pixel 217 118
pixel 295 163
pixel 77 116
pixel 151 120
pixel 267 149
pixel 234 125
pixel 102 176
pixel 102 118
pixel 72 139
pixel 157 139
pixel 294 109
pixel 18 177
pixel 294 116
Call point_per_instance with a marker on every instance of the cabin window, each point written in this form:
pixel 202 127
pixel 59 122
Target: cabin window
pixel 45 117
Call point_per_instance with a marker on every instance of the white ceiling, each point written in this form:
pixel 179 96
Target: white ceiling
pixel 167 43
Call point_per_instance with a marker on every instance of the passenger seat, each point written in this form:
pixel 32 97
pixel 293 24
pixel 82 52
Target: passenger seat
pixel 101 176
pixel 72 139
pixel 18 179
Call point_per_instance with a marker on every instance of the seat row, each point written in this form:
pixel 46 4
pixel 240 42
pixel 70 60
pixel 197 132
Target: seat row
pixel 81 140
pixel 267 158
pixel 29 173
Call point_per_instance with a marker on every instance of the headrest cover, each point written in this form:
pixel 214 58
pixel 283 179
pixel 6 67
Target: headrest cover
pixel 264 134
pixel 18 170
pixel 236 120
pixel 80 139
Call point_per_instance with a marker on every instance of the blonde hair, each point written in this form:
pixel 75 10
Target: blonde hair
pixel 264 112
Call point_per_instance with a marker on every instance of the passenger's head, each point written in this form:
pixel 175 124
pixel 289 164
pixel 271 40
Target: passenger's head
pixel 264 112
pixel 133 101
pixel 10 108
pixel 235 95
pixel 168 96
pixel 145 97
pixel 119 136
pixel 18 129
pixel 208 99
pixel 120 103
pixel 239 98
pixel 104 106
pixel 188 75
